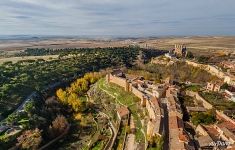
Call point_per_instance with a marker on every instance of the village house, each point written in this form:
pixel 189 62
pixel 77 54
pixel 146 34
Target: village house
pixel 123 113
pixel 214 86
pixel 230 79
pixel 229 95
pixel 226 131
pixel 204 139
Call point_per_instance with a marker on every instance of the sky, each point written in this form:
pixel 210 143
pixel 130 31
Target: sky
pixel 117 17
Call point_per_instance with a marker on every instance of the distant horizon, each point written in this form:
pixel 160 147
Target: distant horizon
pixel 28 37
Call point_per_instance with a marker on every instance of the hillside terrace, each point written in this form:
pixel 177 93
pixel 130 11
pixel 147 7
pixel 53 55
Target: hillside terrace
pixel 147 92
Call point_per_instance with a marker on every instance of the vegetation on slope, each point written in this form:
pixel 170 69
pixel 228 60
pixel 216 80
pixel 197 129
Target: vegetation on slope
pixel 128 99
pixel 179 71
pixel 20 79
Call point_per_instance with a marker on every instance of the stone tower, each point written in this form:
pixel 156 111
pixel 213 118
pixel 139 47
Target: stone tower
pixel 180 50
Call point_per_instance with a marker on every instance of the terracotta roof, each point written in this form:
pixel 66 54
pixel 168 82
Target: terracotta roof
pixel 228 133
pixel 122 111
pixel 204 140
pixel 173 124
pixel 214 134
pixel 183 137
pixel 232 147
pixel 227 124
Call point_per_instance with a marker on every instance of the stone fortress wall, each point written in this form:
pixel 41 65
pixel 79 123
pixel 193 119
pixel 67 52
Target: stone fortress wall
pixel 213 70
pixel 209 106
pixel 139 94
pixel 148 101
pixel 127 86
pixel 119 81
pixel 199 98
pixel 209 68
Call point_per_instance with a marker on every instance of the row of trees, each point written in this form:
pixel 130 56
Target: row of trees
pixel 70 96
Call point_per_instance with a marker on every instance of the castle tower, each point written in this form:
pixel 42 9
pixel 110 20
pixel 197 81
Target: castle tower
pixel 180 50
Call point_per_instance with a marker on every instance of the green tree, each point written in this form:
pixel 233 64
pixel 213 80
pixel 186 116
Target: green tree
pixel 189 55
pixel 225 86
pixel 30 108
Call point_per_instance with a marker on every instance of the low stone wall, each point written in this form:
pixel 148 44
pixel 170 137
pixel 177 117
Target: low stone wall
pixel 137 93
pixel 151 112
pixel 209 106
pixel 119 81
pixel 211 69
pixel 199 98
pixel 225 117
pixel 190 93
pixel 204 102
pixel 127 86
pixel 194 64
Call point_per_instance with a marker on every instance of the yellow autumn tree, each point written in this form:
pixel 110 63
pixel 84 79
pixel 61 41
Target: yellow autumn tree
pixel 78 116
pixel 62 95
pixel 77 88
pixel 74 102
pixel 84 85
pixel 92 77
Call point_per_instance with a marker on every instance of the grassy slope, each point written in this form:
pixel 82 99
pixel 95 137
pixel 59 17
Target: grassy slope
pixel 127 99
